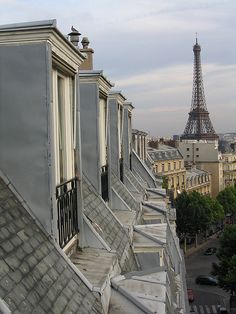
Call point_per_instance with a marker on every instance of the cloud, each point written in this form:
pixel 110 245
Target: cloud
pixel 163 96
pixel 159 109
pixel 5 2
pixel 162 76
pixel 145 48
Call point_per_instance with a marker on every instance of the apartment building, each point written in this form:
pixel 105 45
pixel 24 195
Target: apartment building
pixel 198 180
pixel 74 217
pixel 168 163
pixel 229 169
pixel 205 155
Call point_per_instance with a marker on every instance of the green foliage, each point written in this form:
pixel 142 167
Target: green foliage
pixel 196 212
pixel 227 242
pixel 227 198
pixel 226 268
pixel 217 210
pixel 164 182
pixel 183 214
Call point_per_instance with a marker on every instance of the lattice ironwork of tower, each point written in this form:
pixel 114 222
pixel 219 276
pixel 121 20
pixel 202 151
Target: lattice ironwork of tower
pixel 199 126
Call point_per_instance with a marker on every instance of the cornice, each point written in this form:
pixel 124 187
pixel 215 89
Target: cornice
pixel 138 132
pixel 88 77
pixel 118 96
pixel 28 33
pixel 128 105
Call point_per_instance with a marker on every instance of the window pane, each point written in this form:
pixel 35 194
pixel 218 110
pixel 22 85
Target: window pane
pixel 61 125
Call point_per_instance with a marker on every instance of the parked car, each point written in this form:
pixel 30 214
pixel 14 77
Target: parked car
pixel 190 295
pixel 206 280
pixel 222 310
pixel 232 303
pixel 190 240
pixel 210 251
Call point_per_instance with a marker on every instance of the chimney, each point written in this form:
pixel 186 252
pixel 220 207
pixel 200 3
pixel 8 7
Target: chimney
pixel 153 143
pixel 74 36
pixel 88 52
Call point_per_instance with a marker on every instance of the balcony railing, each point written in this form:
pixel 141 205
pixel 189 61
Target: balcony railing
pixel 130 161
pixel 104 182
pixel 121 170
pixel 66 195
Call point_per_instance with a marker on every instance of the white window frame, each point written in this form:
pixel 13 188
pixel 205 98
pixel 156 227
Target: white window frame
pixel 69 126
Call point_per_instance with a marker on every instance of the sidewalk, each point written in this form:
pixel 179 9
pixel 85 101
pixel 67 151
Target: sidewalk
pixel 200 246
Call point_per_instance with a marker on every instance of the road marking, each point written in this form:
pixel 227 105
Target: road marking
pixel 204 309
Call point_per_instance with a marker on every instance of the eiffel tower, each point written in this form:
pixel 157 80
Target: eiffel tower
pixel 199 126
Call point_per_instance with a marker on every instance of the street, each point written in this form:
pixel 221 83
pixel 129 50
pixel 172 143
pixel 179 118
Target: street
pixel 206 297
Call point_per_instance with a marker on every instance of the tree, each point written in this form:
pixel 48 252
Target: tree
pixel 226 268
pixel 217 210
pixel 165 182
pixel 183 215
pixel 227 198
pixel 194 212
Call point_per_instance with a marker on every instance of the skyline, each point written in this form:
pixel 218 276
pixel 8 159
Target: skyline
pixel 145 48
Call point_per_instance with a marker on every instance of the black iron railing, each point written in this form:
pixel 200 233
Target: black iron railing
pixel 121 170
pixel 130 161
pixel 104 182
pixel 66 195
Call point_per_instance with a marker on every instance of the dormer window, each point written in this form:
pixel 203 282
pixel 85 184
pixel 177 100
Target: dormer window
pixel 64 118
pixel 64 125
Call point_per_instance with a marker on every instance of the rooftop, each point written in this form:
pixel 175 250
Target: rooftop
pixel 35 275
pixel 194 172
pixel 164 152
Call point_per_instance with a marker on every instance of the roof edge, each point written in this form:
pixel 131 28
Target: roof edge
pixel 27 25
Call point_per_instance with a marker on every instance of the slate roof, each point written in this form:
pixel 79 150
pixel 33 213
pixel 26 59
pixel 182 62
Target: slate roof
pixel 147 289
pixel 140 168
pixel 35 277
pixel 124 193
pixel 192 173
pixel 132 178
pixel 109 228
pixel 155 232
pixel 119 304
pixel 164 152
pixel 87 261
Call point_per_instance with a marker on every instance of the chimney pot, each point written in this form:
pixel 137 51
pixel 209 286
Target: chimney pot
pixel 86 50
pixel 74 36
pixel 85 42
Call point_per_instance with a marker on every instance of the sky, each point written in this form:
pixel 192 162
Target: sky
pixel 145 47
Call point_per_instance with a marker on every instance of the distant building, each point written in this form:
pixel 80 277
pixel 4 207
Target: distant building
pixel 205 156
pixel 199 181
pixel 168 163
pixel 139 139
pixel 176 137
pixel 229 169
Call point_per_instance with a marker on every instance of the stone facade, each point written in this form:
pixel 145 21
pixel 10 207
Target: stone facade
pixel 199 181
pixel 229 169
pixel 168 163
